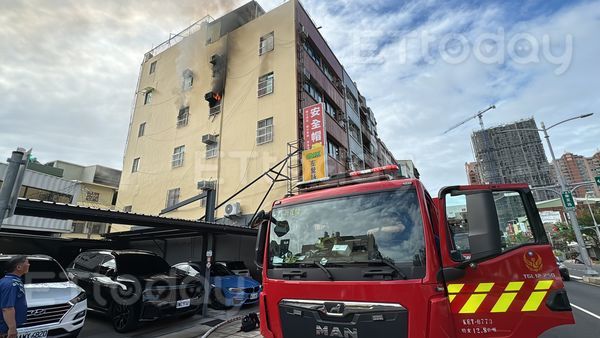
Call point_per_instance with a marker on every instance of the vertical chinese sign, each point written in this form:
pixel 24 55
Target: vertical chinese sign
pixel 314 155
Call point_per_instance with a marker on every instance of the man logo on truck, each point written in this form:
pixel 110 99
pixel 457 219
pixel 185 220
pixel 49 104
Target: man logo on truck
pixel 336 332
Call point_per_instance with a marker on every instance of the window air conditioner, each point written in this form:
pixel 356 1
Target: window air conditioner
pixel 209 139
pixel 233 209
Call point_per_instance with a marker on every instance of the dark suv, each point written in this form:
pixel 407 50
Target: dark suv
pixel 134 285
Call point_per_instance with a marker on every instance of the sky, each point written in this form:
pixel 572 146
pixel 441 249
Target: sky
pixel 69 68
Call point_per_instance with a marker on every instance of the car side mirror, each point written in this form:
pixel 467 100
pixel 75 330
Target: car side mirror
pixel 259 250
pixel 484 228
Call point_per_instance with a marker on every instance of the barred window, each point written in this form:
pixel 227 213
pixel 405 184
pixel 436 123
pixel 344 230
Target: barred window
pixel 136 165
pixel 178 154
pixel 266 43
pixel 264 131
pixel 355 132
pixel 265 84
pixel 172 197
pixel 183 117
pixel 212 149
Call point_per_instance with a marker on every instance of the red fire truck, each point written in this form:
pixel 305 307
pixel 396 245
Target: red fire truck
pixel 369 254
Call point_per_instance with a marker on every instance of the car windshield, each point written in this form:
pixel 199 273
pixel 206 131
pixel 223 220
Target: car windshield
pixel 42 271
pixel 141 264
pixel 362 228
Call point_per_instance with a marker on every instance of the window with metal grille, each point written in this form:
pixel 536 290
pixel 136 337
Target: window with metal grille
pixel 148 97
pixel 92 196
pixel 178 154
pixel 183 117
pixel 142 129
pixel 152 67
pixel 265 84
pixel 354 132
pixel 266 43
pixel 172 197
pixel 136 165
pixel 264 131
pixel 212 149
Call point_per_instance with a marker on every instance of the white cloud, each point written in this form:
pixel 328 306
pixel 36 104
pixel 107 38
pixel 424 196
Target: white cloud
pixel 71 66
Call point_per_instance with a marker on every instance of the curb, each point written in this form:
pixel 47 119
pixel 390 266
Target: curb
pixel 228 321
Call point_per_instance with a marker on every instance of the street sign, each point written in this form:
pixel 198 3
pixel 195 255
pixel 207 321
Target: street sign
pixel 568 201
pixel 597 180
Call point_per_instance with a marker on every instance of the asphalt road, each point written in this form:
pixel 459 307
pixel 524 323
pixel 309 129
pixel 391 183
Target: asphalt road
pixel 585 301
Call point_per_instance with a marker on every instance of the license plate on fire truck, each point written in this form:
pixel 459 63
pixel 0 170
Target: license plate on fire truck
pixel 183 303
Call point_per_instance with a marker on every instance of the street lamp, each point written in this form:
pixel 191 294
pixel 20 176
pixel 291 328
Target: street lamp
pixel 572 216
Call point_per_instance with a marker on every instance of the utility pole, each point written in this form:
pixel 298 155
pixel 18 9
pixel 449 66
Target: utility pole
pixel 570 212
pixel 12 183
pixel 570 209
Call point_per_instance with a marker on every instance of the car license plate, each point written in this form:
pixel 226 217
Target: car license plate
pixel 253 295
pixel 33 334
pixel 183 303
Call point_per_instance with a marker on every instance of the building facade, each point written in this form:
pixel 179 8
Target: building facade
pixel 408 169
pixel 507 154
pixel 42 185
pixel 577 169
pixel 98 187
pixel 473 173
pixel 222 101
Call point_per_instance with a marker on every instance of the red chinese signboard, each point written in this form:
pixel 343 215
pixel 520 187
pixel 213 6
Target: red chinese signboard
pixel 314 126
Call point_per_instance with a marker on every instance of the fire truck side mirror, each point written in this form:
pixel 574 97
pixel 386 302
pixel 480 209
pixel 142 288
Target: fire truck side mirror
pixel 484 228
pixel 260 244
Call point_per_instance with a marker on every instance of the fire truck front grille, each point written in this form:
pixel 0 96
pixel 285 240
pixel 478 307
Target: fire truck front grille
pixel 46 314
pixel 310 318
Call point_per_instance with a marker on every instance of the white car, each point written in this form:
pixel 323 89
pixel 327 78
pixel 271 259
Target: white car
pixel 56 307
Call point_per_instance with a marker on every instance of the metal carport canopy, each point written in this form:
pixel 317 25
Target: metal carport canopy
pixel 170 227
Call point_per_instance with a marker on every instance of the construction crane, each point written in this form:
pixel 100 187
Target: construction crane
pixel 486 156
pixel 478 115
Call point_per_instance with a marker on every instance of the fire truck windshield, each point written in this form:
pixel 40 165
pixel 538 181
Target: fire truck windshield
pixel 380 227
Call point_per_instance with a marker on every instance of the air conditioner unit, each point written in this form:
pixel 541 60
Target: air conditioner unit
pixel 233 209
pixel 204 185
pixel 209 139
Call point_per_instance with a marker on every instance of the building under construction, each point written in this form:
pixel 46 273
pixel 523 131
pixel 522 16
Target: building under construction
pixel 508 154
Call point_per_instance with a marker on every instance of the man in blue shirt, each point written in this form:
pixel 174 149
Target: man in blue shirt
pixel 12 296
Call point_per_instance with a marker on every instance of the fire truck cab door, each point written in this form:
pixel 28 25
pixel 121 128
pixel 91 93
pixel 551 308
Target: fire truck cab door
pixel 500 273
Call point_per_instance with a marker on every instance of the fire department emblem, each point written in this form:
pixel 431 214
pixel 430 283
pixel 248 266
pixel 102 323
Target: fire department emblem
pixel 533 261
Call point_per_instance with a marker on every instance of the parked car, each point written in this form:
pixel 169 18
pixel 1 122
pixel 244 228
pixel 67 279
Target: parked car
pixel 564 272
pixel 237 267
pixel 227 288
pixel 133 285
pixel 56 307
